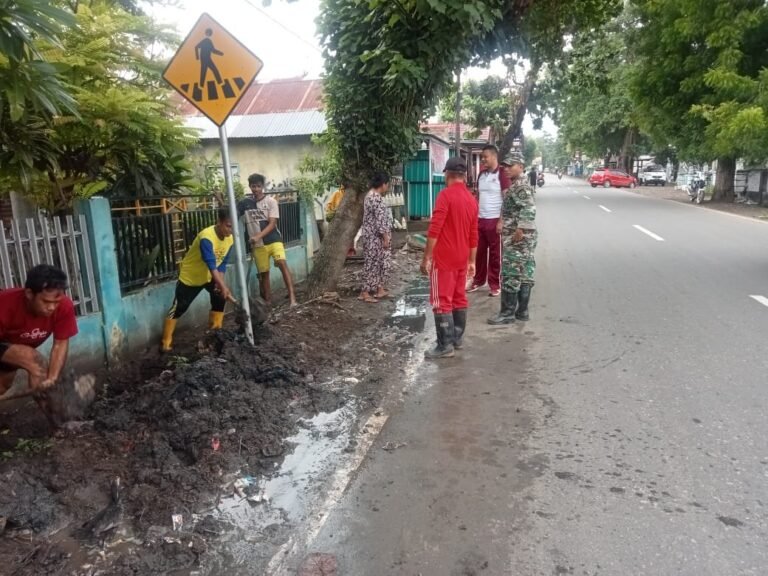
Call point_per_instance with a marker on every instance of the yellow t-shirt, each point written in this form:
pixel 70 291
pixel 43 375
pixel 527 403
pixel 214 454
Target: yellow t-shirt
pixel 194 269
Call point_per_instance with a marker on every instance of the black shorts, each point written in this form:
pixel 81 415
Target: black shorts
pixel 185 295
pixel 5 368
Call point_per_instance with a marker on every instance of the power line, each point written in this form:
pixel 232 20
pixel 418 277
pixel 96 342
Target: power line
pixel 284 27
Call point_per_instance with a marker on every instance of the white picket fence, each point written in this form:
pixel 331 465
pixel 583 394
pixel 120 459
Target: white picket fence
pixel 59 241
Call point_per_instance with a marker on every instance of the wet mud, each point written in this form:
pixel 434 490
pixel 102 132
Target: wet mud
pixel 180 463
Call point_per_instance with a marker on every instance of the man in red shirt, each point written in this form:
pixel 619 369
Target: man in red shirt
pixel 28 317
pixel 449 258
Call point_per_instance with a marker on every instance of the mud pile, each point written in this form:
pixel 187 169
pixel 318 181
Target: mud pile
pixel 174 441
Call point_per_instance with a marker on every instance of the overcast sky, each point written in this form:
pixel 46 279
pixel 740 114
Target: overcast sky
pixel 282 35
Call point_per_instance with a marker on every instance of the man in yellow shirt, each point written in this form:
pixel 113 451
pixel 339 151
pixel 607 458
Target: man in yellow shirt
pixel 203 267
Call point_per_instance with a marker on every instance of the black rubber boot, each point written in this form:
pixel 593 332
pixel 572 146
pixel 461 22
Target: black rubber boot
pixel 444 328
pixel 507 313
pixel 459 326
pixel 523 298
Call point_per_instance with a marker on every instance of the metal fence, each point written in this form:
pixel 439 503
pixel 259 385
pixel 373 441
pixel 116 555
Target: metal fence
pixel 149 247
pixel 290 222
pixel 152 235
pixel 59 241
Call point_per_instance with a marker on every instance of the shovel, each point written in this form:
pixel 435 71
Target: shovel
pixel 66 400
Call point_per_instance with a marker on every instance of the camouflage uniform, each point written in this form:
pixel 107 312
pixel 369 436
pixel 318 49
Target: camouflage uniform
pixel 518 265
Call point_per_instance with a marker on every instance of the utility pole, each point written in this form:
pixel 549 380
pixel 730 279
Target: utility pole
pixel 457 142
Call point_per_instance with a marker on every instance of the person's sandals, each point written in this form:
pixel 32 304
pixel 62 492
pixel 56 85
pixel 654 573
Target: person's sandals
pixel 368 299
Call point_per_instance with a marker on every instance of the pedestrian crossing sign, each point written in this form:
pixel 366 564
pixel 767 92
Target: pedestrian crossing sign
pixel 212 69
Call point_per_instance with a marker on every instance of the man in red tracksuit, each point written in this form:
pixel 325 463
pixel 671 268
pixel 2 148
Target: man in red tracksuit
pixel 449 258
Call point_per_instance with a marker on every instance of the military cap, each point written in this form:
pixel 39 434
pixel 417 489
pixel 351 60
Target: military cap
pixel 513 158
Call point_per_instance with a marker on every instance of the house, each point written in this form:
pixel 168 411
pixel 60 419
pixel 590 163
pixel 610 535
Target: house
pixel 471 147
pixel 270 130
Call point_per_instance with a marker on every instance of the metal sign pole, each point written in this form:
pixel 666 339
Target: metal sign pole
pixel 244 298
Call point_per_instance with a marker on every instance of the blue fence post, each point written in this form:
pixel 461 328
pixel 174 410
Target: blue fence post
pixel 99 220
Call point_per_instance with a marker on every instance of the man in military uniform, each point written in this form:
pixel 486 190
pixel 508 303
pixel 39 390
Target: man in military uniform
pixel 519 238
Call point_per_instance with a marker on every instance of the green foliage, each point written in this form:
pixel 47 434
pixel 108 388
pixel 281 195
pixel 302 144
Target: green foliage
pixel 319 173
pixel 120 135
pixel 553 150
pixel 589 93
pixel 530 150
pixel 484 103
pixel 700 83
pixel 386 64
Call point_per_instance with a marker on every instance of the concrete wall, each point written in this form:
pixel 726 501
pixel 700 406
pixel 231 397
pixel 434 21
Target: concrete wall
pixel 132 323
pixel 276 158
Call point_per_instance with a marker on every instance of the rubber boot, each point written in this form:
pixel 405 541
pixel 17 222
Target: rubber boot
pixel 215 320
pixel 459 326
pixel 444 329
pixel 522 302
pixel 166 344
pixel 507 313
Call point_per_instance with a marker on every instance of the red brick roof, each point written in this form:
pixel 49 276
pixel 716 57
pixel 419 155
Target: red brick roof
pixel 286 95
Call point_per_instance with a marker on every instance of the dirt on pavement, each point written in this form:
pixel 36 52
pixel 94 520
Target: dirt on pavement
pixel 179 431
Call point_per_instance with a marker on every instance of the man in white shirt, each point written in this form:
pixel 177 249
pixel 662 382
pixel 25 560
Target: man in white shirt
pixel 491 184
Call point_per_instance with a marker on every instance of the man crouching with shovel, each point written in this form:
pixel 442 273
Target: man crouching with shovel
pixel 28 317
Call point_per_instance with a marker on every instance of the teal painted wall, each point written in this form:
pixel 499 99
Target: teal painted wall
pixel 134 323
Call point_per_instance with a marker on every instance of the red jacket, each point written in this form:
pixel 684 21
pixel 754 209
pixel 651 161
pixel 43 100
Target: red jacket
pixel 454 225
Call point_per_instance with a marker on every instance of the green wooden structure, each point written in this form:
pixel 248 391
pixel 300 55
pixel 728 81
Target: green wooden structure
pixel 416 175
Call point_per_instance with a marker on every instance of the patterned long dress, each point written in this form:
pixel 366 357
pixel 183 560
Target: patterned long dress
pixel 375 226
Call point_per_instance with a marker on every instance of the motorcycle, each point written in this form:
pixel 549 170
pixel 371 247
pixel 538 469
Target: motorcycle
pixel 559 175
pixel 540 181
pixel 695 190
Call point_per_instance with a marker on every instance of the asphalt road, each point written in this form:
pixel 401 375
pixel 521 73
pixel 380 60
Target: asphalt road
pixel 622 431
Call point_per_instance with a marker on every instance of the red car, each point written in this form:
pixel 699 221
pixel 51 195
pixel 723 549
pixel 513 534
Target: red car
pixel 607 177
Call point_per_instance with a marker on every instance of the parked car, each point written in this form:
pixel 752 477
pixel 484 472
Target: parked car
pixel 607 177
pixel 653 175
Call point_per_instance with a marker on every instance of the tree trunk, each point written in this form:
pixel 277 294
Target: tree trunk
pixel 626 156
pixel 518 115
pixel 329 261
pixel 726 172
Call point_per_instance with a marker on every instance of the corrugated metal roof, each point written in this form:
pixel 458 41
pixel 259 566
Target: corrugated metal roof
pixel 262 125
pixel 286 95
pixel 280 124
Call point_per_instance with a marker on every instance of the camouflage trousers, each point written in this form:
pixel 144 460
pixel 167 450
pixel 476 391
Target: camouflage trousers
pixel 518 265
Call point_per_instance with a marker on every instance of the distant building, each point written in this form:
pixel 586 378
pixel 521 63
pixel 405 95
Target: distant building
pixel 269 131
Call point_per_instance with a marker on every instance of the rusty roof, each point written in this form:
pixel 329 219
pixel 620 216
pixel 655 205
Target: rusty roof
pixel 286 95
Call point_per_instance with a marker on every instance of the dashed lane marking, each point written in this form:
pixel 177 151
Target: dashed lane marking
pixel 649 233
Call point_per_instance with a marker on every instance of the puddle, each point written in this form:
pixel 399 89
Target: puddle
pixel 411 308
pixel 288 493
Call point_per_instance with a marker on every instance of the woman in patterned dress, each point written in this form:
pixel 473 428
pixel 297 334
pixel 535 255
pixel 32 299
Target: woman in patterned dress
pixel 376 235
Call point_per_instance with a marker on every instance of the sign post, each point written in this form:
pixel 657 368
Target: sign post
pixel 212 70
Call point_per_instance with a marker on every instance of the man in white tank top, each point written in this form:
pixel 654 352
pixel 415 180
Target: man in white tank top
pixel 491 184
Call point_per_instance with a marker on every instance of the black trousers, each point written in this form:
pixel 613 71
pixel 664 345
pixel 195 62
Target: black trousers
pixel 185 295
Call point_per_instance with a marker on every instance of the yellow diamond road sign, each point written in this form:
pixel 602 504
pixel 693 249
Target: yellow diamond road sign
pixel 212 69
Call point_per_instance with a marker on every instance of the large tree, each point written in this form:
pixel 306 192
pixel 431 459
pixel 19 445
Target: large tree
pixel 589 96
pixel 701 80
pixel 118 131
pixel 387 63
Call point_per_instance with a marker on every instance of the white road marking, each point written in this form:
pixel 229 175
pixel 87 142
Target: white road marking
pixel 604 208
pixel 587 197
pixel 649 233
pixel 575 191
pixel 762 299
